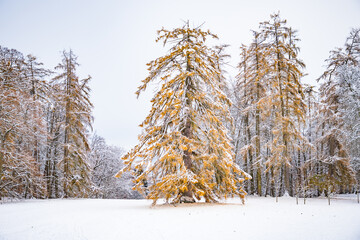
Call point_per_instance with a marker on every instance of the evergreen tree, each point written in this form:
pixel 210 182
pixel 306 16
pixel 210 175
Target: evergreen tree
pixel 184 151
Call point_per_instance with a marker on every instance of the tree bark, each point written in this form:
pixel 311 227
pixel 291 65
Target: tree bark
pixel 187 196
pixel 257 129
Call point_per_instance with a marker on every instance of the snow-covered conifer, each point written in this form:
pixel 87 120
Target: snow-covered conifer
pixel 77 119
pixel 20 175
pixel 285 93
pixel 337 90
pixel 184 151
pixel 251 91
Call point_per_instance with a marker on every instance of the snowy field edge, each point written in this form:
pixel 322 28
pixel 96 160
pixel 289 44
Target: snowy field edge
pixel 259 218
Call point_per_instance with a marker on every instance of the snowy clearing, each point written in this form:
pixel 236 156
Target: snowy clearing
pixel 259 218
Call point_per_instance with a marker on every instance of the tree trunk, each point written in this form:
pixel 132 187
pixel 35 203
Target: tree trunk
pixel 267 189
pixel 1 169
pixel 250 163
pixel 48 167
pixel 247 184
pixel 47 176
pixel 257 149
pixel 283 111
pixel 257 127
pixel 272 188
pixel 187 196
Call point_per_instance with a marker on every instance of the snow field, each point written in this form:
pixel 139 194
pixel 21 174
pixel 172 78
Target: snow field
pixel 260 218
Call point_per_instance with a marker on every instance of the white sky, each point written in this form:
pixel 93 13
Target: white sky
pixel 115 39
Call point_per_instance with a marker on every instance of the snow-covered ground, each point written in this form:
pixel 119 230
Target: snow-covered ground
pixel 259 218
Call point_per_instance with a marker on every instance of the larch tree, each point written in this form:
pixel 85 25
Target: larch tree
pixel 243 130
pixel 252 90
pixel 348 77
pixel 336 91
pixel 286 94
pixel 306 164
pixel 333 157
pixel 340 57
pixel 39 91
pixel 185 151
pixel 43 129
pixel 54 146
pixel 77 120
pixel 20 175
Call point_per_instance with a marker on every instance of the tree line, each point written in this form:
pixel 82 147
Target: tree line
pixel 287 137
pixel 290 137
pixel 266 133
pixel 46 146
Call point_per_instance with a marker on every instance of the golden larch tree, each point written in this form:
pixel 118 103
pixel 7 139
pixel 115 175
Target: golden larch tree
pixel 286 94
pixel 184 151
pixel 251 85
pixel 77 119
pixel 20 175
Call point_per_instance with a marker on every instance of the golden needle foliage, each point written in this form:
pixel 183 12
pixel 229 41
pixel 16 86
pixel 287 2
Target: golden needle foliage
pixel 185 149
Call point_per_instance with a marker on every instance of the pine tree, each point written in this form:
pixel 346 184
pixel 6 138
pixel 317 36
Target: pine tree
pixel 77 119
pixel 184 151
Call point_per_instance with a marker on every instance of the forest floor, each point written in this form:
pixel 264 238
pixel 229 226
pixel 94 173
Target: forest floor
pixel 260 218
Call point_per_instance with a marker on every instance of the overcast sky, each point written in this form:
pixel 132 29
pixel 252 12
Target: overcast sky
pixel 115 39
